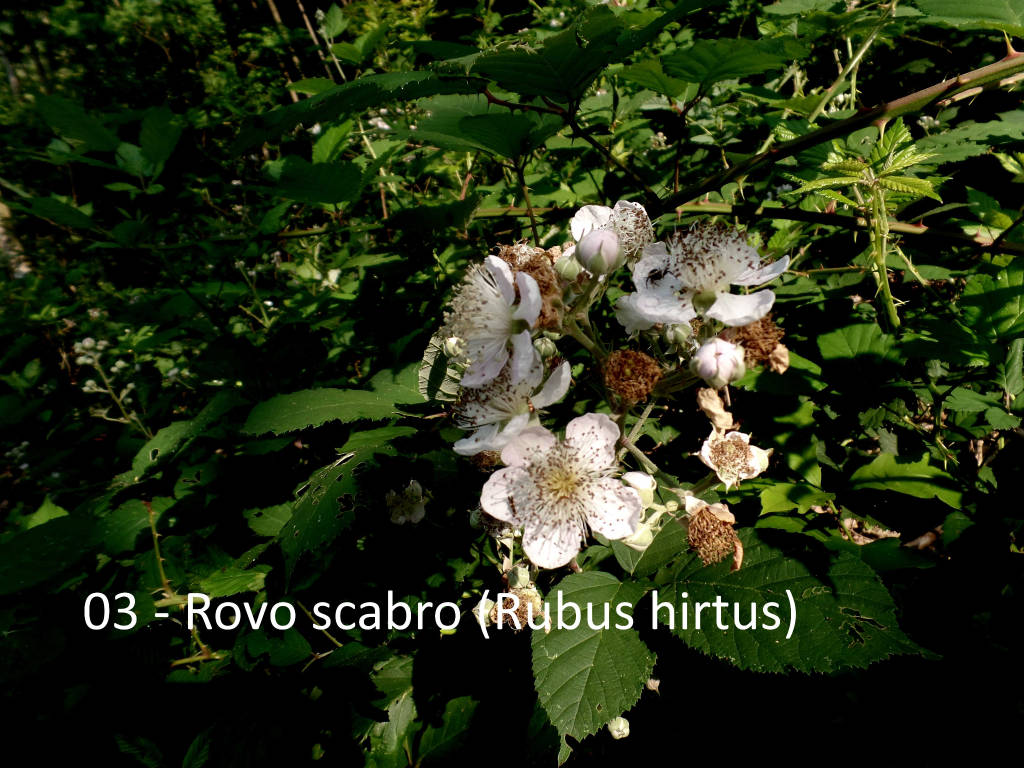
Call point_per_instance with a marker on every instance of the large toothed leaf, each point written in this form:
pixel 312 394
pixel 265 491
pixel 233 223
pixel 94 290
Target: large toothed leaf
pixel 914 478
pixel 844 615
pixel 585 677
pixel 313 407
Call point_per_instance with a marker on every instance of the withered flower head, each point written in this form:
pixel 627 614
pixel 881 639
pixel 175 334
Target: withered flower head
pixel 710 532
pixel 631 374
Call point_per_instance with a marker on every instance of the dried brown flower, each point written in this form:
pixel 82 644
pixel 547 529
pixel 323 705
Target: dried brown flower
pixel 631 374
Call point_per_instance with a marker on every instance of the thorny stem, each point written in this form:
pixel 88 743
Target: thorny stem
pixel 880 247
pixel 754 211
pixel 851 64
pixel 649 466
pixel 327 634
pixel 993 75
pixel 521 175
pixel 634 433
pixel 165 584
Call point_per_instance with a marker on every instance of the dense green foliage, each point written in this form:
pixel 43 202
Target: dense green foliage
pixel 230 230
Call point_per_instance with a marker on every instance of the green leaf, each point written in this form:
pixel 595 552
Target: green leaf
pixel 313 407
pixel 844 615
pixel 437 380
pixel 1011 372
pixel 334 22
pixel 389 741
pixel 268 521
pixel 42 553
pixel 47 511
pixel 118 530
pixel 834 181
pixel 316 182
pixel 318 516
pixel 649 74
pixel 585 677
pixel 998 418
pixel 1004 15
pixel 909 185
pixel 856 341
pixel 914 478
pixel 711 61
pixel 962 399
pixel 668 542
pixel 160 132
pixel 993 306
pixel 781 497
pixel 439 743
pixel 232 581
pixel 70 121
pixel 350 98
pixel 59 213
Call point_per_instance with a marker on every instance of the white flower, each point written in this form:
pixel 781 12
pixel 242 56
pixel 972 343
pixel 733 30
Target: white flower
pixel 718 362
pixel 500 410
pixel 408 505
pixel 486 318
pixel 618 727
pixel 555 490
pixel 644 484
pixel 732 457
pixel 690 274
pixel 629 221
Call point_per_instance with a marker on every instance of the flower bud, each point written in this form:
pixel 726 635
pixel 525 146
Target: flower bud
pixel 718 362
pixel 644 484
pixel 519 578
pixel 482 611
pixel 600 252
pixel 545 347
pixel 619 728
pixel 454 346
pixel 680 335
pixel 567 267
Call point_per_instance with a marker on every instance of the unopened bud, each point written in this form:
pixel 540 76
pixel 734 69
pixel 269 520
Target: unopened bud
pixel 680 335
pixel 519 577
pixel 718 362
pixel 545 347
pixel 567 267
pixel 600 252
pixel 454 346
pixel 619 728
pixel 644 484
pixel 483 611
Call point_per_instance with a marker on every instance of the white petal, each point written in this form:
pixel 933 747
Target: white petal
pixel 481 440
pixel 614 510
pixel 664 307
pixel 555 387
pixel 525 360
pixel 527 446
pixel 735 310
pixel 594 436
pixel 762 275
pixel 588 218
pixel 629 316
pixel 530 300
pixel 487 367
pixel 502 274
pixel 551 546
pixel 499 488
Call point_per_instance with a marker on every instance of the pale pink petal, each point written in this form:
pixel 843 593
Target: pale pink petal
pixel 735 310
pixel 487 367
pixel 595 437
pixel 549 544
pixel 525 359
pixel 763 275
pixel 502 274
pixel 588 218
pixel 614 510
pixel 530 300
pixel 555 387
pixel 526 446
pixel 499 488
pixel 629 316
pixel 481 440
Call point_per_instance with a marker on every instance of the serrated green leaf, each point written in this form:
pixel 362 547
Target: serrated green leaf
pixel 439 743
pixel 318 516
pixel 712 61
pixel 997 418
pixel 314 407
pixel 1004 15
pixel 1011 371
pixel 297 179
pixel 70 121
pixel 908 185
pixel 268 521
pixel 993 305
pixel 782 497
pixel 856 341
pixel 437 380
pixel 967 400
pixel 232 581
pixel 914 478
pixel 585 677
pixel 844 615
pixel 669 542
pixel 835 181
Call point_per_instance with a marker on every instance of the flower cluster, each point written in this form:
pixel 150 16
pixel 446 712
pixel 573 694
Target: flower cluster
pixel 506 320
